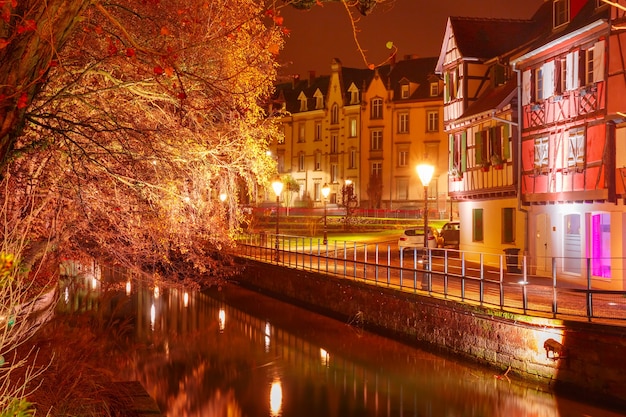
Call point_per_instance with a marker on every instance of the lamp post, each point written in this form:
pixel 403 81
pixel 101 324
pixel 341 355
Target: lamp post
pixel 277 185
pixel 325 193
pixel 425 172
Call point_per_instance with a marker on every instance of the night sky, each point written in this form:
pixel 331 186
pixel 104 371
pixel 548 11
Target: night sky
pixel 416 27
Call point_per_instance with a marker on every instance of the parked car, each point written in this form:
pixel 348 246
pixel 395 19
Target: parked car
pixel 450 232
pixel 414 238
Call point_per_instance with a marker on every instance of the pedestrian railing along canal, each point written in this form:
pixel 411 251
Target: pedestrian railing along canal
pixel 490 280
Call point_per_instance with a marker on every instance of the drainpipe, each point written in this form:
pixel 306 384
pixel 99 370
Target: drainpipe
pixel 518 160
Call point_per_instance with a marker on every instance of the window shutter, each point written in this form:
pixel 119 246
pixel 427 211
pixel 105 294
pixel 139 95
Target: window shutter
pixel 548 79
pixel 598 61
pixel 506 144
pixel 463 151
pixel 572 71
pixel 450 152
pixel 447 89
pixel 478 138
pixel 526 88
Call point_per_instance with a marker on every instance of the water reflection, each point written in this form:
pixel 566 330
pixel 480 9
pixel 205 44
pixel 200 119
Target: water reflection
pixel 273 359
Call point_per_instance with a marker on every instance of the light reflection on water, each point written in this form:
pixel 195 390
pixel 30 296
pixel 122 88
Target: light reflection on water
pixel 238 353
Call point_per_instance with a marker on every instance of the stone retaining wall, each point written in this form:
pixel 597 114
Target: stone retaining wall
pixel 579 357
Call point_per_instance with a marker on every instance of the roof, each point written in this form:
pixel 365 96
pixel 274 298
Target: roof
pixel 414 70
pixel 493 99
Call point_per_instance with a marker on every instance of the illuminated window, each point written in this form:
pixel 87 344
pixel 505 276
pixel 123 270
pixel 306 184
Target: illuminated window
pixel 352 158
pixel 303 102
pixel 434 89
pixel 353 128
pixel 301 132
pixel 334 143
pixel 402 188
pixel 538 84
pixel 317 195
pixel 377 169
pixel 301 161
pixel 319 100
pixel 334 173
pixel 354 94
pixel 318 160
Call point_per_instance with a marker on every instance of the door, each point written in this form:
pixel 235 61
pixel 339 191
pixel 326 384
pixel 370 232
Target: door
pixel 542 231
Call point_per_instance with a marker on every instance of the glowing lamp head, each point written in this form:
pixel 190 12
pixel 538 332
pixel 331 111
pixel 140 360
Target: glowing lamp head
pixel 278 187
pixel 325 190
pixel 425 172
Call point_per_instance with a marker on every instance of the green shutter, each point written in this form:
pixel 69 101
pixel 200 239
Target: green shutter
pixel 506 144
pixel 478 141
pixel 463 151
pixel 450 152
pixel 446 90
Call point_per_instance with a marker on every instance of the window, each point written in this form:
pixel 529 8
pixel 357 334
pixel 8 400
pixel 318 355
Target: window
pixel 403 123
pixel 354 94
pixel 561 12
pixel 561 74
pixel 301 132
pixel 303 102
pixel 318 131
pixel 434 89
pixel 450 79
pixel 538 84
pixel 576 151
pixel 352 158
pixel 334 143
pixel 377 169
pixel 376 142
pixel 318 160
pixel 433 121
pixel 334 114
pixel 404 91
pixel 477 225
pixel 319 100
pixel 508 225
pixel 588 77
pixel 352 126
pixel 402 188
pixel 403 157
pixel 301 161
pixel 281 162
pixel 317 194
pixel 377 108
pixel 601 245
pixel 541 153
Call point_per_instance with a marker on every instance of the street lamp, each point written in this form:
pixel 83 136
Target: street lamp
pixel 425 172
pixel 277 185
pixel 325 193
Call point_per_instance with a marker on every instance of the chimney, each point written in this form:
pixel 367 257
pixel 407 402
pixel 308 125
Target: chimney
pixel 311 77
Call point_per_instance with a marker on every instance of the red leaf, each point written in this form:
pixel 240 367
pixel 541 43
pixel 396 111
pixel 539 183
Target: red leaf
pixel 182 96
pixel 130 52
pixel 54 63
pixel 158 70
pixel 3 43
pixel 269 12
pixel 278 20
pixel 28 26
pixel 286 31
pixel 22 102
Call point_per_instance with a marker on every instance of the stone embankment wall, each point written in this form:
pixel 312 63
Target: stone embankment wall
pixel 576 356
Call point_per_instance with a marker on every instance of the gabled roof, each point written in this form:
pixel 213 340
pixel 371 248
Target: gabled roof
pixel 414 70
pixel 583 16
pixel 492 100
pixel 483 39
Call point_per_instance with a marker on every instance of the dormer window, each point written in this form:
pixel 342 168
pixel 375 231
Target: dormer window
pixel 354 94
pixel 404 91
pixel 319 100
pixel 560 12
pixel 434 89
pixel 303 101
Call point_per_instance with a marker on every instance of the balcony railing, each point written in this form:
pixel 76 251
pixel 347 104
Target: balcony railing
pixel 501 282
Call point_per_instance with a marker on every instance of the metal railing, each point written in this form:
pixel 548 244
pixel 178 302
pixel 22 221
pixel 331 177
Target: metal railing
pixel 479 278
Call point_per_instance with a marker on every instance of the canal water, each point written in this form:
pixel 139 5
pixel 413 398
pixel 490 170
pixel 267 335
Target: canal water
pixel 230 352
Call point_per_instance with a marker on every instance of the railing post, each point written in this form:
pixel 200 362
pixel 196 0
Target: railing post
pixel 462 276
pixel 365 262
pixel 445 273
pixel 554 294
pixel 376 258
pixel 589 296
pixel 501 283
pixel 481 294
pixel 388 265
pixel 354 264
